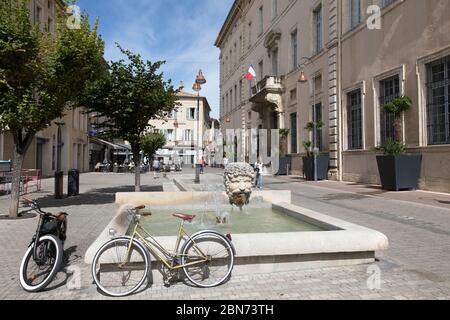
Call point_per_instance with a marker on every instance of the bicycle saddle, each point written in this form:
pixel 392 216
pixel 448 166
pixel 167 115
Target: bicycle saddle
pixel 185 217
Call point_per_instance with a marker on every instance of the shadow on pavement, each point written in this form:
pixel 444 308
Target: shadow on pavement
pixel 92 197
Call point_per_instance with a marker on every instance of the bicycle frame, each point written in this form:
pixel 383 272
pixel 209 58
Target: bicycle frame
pixel 160 252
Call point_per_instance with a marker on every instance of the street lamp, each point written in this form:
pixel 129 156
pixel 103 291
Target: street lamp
pixel 197 87
pixel 304 79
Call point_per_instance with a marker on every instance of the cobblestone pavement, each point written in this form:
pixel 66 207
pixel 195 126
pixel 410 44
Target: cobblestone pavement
pixel 415 267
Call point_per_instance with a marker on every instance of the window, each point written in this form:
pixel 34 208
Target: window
pixel 240 91
pixel 50 5
pixel 187 135
pixel 355 13
pixel 49 25
pixel 354 120
pixel 249 116
pixel 226 104
pixel 274 9
pixel 192 114
pixel 231 60
pixel 169 135
pixel 172 115
pixel 236 102
pixel 261 70
pixel 293 96
pixel 261 19
pixel 318 39
pixel 38 17
pixel 318 82
pixel 275 62
pixel 240 47
pixel 438 110
pixel 231 99
pixel 226 65
pixel 385 3
pixel 389 90
pixel 294 50
pixel 294 131
pixel 318 119
pixel 249 34
pixel 223 106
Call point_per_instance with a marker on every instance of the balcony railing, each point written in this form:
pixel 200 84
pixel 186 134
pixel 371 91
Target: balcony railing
pixel 268 83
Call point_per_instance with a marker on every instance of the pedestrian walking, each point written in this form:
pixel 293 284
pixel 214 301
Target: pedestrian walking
pixel 259 167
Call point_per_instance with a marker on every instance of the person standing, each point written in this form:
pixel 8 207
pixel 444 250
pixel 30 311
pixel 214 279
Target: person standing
pixel 156 166
pixel 259 167
pixel 225 162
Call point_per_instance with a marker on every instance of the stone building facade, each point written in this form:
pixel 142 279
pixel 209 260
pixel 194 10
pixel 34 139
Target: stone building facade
pixel 354 63
pixel 182 126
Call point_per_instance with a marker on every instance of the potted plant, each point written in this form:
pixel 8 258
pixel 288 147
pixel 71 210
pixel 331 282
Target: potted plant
pixel 285 160
pixel 398 170
pixel 323 161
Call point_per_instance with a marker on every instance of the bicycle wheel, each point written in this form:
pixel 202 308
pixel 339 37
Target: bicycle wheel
pixel 209 259
pixel 114 273
pixel 36 275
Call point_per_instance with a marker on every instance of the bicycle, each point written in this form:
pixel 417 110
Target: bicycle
pixel 44 256
pixel 121 265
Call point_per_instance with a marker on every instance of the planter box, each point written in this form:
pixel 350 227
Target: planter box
pixel 283 164
pixel 399 172
pixel 323 165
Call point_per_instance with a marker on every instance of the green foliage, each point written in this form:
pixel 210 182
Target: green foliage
pixel 41 74
pixel 152 142
pixel 398 105
pixel 284 133
pixel 392 148
pixel 129 96
pixel 308 148
pixel 318 125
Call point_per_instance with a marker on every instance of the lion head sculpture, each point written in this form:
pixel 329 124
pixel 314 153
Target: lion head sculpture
pixel 238 180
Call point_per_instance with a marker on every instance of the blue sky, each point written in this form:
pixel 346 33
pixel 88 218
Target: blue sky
pixel 182 32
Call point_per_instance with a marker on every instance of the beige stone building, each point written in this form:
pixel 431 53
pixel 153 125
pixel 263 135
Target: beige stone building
pixel 67 138
pixel 182 126
pixel 355 63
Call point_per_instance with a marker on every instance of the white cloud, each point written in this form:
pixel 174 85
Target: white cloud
pixel 181 32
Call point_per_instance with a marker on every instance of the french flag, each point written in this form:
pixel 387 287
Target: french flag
pixel 251 73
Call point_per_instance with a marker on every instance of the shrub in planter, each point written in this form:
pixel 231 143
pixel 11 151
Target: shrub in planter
pixel 285 160
pixel 398 170
pixel 323 161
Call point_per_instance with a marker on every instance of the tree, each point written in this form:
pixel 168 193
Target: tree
pixel 128 97
pixel 397 107
pixel 284 134
pixel 41 75
pixel 152 142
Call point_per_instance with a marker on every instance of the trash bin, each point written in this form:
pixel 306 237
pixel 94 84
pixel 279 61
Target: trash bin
pixel 73 188
pixel 59 180
pixel 198 168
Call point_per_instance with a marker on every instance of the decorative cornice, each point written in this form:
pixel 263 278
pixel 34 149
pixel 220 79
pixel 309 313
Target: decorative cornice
pixel 272 38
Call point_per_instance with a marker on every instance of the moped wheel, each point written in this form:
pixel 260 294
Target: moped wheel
pixel 117 273
pixel 209 260
pixel 36 275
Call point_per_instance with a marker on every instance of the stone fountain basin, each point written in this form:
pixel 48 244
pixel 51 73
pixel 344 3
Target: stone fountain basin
pixel 341 242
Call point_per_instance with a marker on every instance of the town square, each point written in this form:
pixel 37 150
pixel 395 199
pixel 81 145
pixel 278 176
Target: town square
pixel 257 150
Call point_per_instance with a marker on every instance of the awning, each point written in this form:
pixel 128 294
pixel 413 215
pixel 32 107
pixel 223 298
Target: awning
pixel 114 146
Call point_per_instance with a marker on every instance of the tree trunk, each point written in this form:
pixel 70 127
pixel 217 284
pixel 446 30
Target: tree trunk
pixel 21 146
pixel 137 168
pixel 398 130
pixel 15 192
